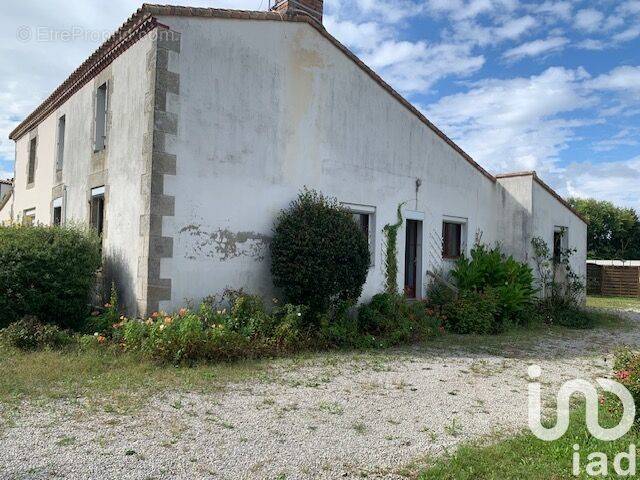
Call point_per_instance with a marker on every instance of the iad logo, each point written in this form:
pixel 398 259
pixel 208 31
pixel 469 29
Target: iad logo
pixel 598 461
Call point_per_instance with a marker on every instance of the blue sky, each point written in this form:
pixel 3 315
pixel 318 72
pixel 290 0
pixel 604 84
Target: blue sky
pixel 547 85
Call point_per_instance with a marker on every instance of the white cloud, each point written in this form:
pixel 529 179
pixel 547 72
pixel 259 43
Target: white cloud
pixel 592 44
pixel 625 79
pixel 627 137
pixel 627 35
pixel 515 124
pixel 561 9
pixel 513 29
pixel 536 47
pixel 407 66
pixel 617 181
pixel 588 19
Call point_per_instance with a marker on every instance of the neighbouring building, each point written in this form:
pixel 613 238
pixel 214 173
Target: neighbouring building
pixel 6 188
pixel 182 137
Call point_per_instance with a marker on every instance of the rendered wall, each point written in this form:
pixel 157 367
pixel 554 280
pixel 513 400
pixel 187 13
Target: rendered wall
pixel 266 108
pixel 119 167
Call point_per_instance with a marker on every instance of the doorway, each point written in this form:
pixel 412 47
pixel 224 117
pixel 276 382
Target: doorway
pixel 413 259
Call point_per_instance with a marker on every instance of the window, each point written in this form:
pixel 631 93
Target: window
pixel 60 152
pixel 365 217
pixel 101 118
pixel 560 243
pixel 451 240
pixel 29 217
pixel 96 209
pixel 31 168
pixel 57 211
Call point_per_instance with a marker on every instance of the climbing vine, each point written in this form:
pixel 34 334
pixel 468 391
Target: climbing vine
pixel 391 256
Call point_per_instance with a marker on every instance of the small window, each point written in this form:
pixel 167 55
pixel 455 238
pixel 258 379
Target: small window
pixel 29 217
pixel 31 168
pixel 101 118
pixel 57 211
pixel 560 243
pixel 96 209
pixel 365 217
pixel 60 152
pixel 451 240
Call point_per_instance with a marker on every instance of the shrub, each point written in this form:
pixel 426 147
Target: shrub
pixel 510 282
pixel 30 334
pixel 319 253
pixel 212 332
pixel 473 312
pixel 47 272
pixel 391 320
pixel 103 322
pixel 626 367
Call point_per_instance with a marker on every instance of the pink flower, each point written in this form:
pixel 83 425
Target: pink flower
pixel 622 374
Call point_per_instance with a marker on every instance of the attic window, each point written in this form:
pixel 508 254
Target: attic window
pixel 100 140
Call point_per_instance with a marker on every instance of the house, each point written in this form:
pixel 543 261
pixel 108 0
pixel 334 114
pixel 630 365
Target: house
pixel 182 137
pixel 6 187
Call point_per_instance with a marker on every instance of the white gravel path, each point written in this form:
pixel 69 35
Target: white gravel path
pixel 335 416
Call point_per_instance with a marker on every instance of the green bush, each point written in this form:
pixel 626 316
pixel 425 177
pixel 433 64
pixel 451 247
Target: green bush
pixel 47 272
pixel 30 334
pixel 473 312
pixel 319 254
pixel 213 332
pixel 391 319
pixel 510 283
pixel 626 367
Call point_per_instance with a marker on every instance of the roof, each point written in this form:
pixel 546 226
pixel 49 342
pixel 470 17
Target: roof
pixel 8 181
pixel 144 20
pixel 551 191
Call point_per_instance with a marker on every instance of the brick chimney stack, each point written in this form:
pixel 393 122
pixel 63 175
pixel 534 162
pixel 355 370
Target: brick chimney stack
pixel 312 8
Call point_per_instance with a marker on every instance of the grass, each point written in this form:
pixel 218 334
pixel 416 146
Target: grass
pixel 613 302
pixel 525 456
pixel 101 373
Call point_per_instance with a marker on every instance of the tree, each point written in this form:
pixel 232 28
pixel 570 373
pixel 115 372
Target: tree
pixel 318 252
pixel 613 232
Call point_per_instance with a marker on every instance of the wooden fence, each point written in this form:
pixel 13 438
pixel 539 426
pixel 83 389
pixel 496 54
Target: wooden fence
pixel 613 281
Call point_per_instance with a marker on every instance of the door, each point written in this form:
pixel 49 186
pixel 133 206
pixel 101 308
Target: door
pixel 411 258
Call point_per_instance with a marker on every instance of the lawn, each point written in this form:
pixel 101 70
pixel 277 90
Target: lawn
pixel 525 456
pixel 623 303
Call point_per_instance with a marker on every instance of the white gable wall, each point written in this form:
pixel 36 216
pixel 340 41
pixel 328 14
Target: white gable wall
pixel 266 108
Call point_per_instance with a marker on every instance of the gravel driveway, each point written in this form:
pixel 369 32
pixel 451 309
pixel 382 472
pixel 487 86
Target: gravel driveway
pixel 331 416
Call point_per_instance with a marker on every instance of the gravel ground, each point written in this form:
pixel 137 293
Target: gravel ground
pixel 334 416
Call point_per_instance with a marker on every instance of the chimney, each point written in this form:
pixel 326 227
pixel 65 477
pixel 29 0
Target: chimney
pixel 311 8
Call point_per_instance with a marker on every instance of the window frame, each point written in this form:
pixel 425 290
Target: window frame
pixel 31 160
pixel 100 117
pixel 56 204
pixel 60 142
pixel 563 242
pixel 97 200
pixel 461 224
pixel 370 211
pixel 29 213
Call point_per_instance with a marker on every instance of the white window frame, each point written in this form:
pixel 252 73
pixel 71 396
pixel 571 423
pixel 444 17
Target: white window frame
pixel 370 210
pixel 60 137
pixel 464 223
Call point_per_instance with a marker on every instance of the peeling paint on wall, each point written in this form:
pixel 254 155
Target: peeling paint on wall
pixel 224 244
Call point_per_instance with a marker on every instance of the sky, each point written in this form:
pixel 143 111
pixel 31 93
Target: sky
pixel 551 86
